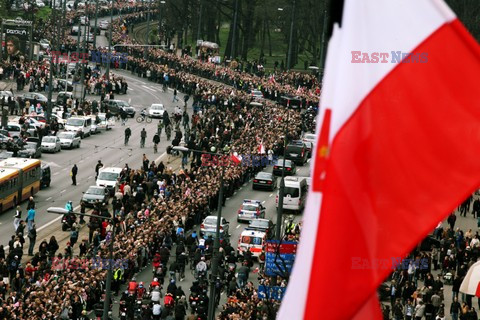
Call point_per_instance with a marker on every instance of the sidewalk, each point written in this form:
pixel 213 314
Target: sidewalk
pixel 7 85
pixel 62 237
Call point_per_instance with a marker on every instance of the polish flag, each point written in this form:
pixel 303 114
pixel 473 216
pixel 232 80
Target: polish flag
pixel 395 152
pixel 236 158
pixel 261 148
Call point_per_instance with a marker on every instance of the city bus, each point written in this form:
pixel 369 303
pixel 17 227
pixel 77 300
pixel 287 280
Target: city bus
pixel 9 180
pixel 14 188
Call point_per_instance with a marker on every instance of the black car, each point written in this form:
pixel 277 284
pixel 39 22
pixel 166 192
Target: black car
pixel 293 102
pixel 265 225
pixel 30 150
pixel 129 110
pixel 114 107
pixel 264 180
pixel 290 167
pixel 96 30
pixel 297 151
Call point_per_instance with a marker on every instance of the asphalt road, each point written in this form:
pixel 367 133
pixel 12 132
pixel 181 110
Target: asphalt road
pixel 106 146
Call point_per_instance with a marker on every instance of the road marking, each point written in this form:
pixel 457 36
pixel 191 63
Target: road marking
pixel 53 164
pixel 48 199
pixel 238 226
pixel 148 88
pixel 89 177
pixel 64 169
pixel 235 193
pixel 80 161
pixel 63 190
pixel 56 173
pixel 263 202
pixel 130 101
pixel 271 194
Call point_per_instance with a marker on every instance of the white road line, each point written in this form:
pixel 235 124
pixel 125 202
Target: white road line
pixel 80 161
pixel 238 226
pixel 48 199
pixel 263 202
pixel 271 194
pixel 129 100
pixel 64 169
pixel 63 190
pixel 89 177
pixel 148 88
pixel 56 173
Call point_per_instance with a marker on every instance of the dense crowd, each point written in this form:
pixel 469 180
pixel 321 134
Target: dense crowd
pixel 154 203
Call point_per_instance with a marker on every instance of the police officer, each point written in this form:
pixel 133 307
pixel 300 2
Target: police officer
pixel 117 279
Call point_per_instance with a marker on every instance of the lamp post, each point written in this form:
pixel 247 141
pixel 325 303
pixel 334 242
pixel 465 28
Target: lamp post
pixel 199 20
pixel 148 30
pixel 96 18
pixel 50 76
pixel 160 20
pixel 290 41
pixel 233 53
pixel 107 73
pixel 106 304
pixel 216 246
pixel 281 190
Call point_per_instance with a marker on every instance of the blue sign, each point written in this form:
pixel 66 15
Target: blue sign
pixel 279 258
pixel 275 293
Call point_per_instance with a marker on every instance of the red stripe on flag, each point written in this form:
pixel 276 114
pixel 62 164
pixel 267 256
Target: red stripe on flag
pixel 322 153
pixel 403 161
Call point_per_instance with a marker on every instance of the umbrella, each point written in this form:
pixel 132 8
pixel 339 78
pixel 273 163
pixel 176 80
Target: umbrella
pixel 471 282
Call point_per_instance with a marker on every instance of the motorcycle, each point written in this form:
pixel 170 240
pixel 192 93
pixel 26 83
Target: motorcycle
pixel 68 220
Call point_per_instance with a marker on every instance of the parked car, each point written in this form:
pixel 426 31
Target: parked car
pixel 33 96
pixel 95 194
pixel 51 144
pixel 103 24
pixel 264 180
pixel 4 140
pixel 156 110
pixel 30 150
pixel 114 107
pixel 105 124
pixel 69 139
pixel 44 44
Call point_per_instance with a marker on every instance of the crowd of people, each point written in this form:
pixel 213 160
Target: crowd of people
pixel 156 207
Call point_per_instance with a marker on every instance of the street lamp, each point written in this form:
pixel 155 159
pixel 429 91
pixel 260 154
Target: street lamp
pixel 107 73
pixel 216 247
pixel 148 30
pixel 160 20
pixel 290 42
pixel 106 304
pixel 95 31
pixel 233 53
pixel 281 190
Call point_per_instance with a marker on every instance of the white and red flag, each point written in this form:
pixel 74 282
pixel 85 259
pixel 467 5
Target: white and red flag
pixel 261 148
pixel 236 158
pixel 395 152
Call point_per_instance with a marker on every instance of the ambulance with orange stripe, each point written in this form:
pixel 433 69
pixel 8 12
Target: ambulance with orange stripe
pixel 253 241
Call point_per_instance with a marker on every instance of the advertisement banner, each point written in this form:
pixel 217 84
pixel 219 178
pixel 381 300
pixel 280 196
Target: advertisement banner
pixel 279 258
pixel 16 42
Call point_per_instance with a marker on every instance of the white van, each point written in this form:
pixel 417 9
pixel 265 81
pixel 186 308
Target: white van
pixel 295 193
pixel 109 178
pixel 82 125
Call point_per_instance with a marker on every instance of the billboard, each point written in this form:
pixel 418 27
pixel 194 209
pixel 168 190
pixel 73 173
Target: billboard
pixel 17 39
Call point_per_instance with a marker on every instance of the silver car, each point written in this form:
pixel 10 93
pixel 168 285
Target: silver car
pixel 51 144
pixel 209 225
pixel 69 140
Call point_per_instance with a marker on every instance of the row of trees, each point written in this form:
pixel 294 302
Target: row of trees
pixel 256 23
pixel 260 22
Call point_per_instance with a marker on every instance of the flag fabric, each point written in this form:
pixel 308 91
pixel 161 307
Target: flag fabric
pixel 400 153
pixel 236 158
pixel 471 283
pixel 261 148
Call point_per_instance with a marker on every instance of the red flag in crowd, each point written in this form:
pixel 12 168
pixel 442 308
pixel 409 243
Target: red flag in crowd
pixel 236 158
pixel 401 97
